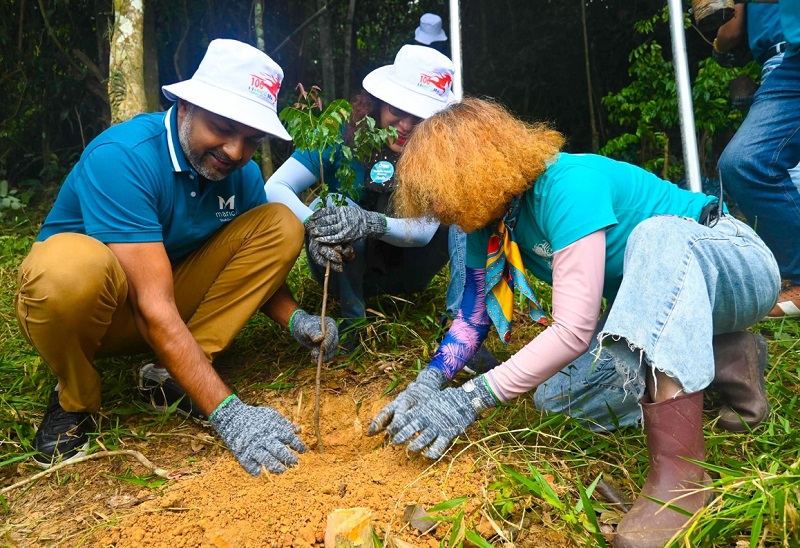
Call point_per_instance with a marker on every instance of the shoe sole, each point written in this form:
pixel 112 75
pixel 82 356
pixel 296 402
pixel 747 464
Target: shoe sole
pixel 82 451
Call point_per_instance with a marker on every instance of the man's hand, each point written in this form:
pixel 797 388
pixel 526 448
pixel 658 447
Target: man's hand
pixel 337 254
pixel 444 416
pixel 345 225
pixel 307 329
pixel 257 436
pixel 429 382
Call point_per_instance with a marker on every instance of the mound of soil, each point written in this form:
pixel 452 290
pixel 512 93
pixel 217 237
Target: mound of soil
pixel 215 503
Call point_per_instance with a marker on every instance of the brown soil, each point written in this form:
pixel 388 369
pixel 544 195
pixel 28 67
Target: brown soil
pixel 213 502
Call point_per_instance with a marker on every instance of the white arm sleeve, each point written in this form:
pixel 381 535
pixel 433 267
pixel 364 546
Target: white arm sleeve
pixel 293 177
pixel 416 232
pixel 287 183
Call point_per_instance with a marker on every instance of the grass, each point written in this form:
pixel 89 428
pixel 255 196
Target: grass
pixel 545 469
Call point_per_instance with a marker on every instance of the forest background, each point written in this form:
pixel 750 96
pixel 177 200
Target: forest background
pixel 545 59
pixel 599 70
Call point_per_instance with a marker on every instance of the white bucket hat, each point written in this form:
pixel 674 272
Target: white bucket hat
pixel 237 81
pixel 419 82
pixel 429 29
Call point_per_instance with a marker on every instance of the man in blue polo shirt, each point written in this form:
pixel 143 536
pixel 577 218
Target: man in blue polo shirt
pixel 161 236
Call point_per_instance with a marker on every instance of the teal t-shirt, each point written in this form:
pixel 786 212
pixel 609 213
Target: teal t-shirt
pixel 133 184
pixel 582 193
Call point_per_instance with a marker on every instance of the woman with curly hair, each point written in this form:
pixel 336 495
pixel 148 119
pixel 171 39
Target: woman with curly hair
pixel 372 253
pixel 682 278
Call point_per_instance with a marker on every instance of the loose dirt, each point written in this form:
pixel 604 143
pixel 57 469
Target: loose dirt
pixel 213 502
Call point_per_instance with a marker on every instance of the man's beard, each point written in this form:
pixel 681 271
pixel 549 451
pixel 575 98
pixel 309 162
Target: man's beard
pixel 194 156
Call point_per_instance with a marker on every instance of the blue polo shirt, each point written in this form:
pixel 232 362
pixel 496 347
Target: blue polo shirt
pixel 763 29
pixel 790 21
pixel 133 184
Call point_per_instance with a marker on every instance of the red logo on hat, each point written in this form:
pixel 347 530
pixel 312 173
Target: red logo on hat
pixel 438 81
pixel 260 83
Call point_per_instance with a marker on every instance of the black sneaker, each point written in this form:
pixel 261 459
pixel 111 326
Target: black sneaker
pixel 62 436
pixel 160 392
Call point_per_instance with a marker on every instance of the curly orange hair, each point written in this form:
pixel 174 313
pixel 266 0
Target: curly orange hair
pixel 464 164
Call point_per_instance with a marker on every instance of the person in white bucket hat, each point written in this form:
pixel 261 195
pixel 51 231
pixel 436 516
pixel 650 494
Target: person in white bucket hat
pixel 429 32
pixel 161 239
pixel 387 255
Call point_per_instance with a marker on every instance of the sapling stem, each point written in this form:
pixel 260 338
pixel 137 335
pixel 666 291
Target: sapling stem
pixel 320 358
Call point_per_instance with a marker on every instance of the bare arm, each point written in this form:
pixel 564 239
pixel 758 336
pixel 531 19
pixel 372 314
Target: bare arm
pixel 152 300
pixel 281 305
pixel 733 32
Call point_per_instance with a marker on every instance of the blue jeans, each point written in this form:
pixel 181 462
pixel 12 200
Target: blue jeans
pixel 359 281
pixel 457 246
pixel 683 283
pixel 756 165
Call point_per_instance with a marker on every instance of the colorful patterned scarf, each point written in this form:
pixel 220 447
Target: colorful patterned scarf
pixel 504 271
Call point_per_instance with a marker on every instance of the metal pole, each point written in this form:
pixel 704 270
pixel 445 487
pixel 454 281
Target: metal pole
pixel 679 59
pixel 455 49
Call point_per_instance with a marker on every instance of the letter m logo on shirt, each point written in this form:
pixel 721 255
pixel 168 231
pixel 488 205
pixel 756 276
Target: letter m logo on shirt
pixel 229 203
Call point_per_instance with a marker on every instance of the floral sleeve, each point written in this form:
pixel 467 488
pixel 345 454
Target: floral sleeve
pixel 469 329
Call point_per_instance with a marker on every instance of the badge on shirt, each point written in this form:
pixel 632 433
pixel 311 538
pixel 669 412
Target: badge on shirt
pixel 381 172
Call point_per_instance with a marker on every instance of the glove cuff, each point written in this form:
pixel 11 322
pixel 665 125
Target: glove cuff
pixel 377 223
pixel 433 377
pixel 480 394
pixel 292 317
pixel 228 405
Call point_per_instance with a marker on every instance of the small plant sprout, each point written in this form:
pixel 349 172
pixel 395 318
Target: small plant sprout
pixel 318 129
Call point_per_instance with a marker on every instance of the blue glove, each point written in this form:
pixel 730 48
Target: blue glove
pixel 307 329
pixel 444 416
pixel 429 382
pixel 257 436
pixel 345 225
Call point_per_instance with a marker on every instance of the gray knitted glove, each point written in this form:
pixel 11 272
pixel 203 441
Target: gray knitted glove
pixel 429 382
pixel 307 329
pixel 257 436
pixel 445 416
pixel 345 224
pixel 337 254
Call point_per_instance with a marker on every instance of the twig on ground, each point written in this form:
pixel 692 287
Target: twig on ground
pixel 612 495
pixel 100 454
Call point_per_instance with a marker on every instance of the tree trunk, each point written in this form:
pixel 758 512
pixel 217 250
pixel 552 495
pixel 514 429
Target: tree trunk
pixel 348 48
pixel 126 59
pixel 593 125
pixel 326 53
pixel 152 87
pixel 267 167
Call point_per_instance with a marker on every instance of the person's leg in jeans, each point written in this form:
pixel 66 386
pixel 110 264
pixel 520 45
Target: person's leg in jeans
pixel 592 390
pixel 457 248
pixel 757 165
pixel 604 386
pixel 420 265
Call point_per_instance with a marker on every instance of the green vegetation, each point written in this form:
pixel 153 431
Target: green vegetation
pixel 546 468
pixel 647 108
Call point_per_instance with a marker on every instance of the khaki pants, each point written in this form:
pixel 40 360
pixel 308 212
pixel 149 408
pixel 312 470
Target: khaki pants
pixel 72 301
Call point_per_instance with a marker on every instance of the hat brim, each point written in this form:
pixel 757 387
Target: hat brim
pixel 425 38
pixel 228 105
pixel 380 84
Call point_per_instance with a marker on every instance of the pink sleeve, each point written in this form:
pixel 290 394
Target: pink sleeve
pixel 578 276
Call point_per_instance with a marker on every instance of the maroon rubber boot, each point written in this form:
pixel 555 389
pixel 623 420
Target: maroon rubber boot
pixel 674 432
